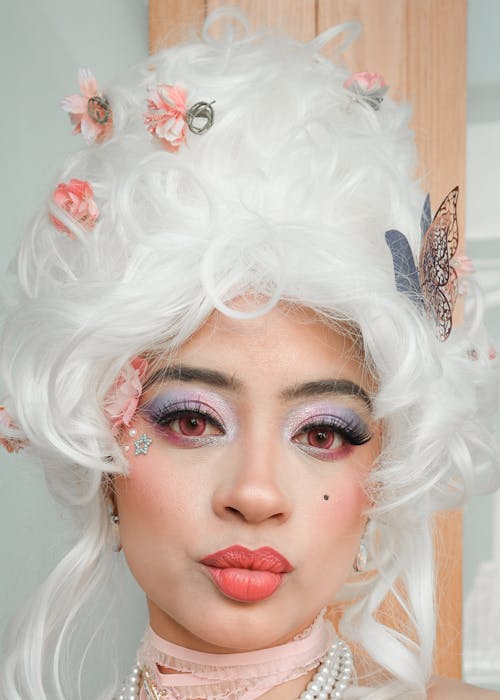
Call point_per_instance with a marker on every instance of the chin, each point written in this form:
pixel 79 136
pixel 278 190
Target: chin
pixel 240 627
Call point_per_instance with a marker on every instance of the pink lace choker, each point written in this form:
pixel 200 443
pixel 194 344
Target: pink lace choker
pixel 240 676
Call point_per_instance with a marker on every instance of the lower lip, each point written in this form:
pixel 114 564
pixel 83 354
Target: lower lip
pixel 245 585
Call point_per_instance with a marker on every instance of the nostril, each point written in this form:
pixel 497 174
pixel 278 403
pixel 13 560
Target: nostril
pixel 250 501
pixel 241 514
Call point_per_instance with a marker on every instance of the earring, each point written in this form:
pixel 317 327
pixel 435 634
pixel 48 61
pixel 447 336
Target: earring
pixel 115 532
pixel 359 564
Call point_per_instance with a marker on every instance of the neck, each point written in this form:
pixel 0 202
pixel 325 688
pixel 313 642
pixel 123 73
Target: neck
pixel 277 673
pixel 167 670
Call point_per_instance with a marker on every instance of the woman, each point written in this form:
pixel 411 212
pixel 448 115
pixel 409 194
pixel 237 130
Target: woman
pixel 236 368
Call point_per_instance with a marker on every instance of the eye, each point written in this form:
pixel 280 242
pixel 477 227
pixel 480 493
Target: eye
pixel 185 423
pixel 332 436
pixel 191 424
pixel 321 437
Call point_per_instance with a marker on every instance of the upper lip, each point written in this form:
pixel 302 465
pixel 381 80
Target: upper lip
pixel 239 557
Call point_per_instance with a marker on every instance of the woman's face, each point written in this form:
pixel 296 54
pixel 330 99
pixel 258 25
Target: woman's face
pixel 262 439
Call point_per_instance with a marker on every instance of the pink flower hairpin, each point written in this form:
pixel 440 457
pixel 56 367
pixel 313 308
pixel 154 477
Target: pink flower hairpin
pixel 121 402
pixel 168 117
pixel 464 268
pixel 90 112
pixel 370 87
pixel 474 354
pixel 76 198
pixel 11 444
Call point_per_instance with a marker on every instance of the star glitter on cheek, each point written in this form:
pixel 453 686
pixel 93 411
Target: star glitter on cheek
pixel 142 444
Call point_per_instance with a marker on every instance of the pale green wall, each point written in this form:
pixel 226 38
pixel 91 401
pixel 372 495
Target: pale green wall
pixel 42 45
pixel 483 77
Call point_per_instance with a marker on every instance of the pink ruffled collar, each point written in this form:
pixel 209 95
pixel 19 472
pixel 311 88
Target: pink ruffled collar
pixel 239 676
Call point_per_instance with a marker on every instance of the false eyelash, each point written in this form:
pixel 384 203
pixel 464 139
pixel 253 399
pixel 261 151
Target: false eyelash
pixel 354 434
pixel 163 415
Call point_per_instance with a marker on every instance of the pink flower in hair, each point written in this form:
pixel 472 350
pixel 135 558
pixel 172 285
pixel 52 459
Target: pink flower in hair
pixel 76 198
pixel 463 265
pixel 89 112
pixel 464 268
pixel 11 444
pixel 166 115
pixel 121 402
pixel 366 81
pixel 370 86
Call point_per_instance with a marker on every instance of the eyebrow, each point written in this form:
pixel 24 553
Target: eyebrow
pixel 220 380
pixel 343 387
pixel 185 373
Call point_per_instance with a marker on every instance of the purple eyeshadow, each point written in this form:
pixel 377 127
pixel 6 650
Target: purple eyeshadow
pixel 171 400
pixel 340 418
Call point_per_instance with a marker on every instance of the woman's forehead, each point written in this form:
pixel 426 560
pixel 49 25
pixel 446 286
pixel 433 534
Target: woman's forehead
pixel 283 348
pixel 296 320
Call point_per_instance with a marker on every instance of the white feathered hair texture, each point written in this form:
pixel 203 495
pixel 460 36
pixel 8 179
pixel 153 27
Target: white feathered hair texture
pixel 287 197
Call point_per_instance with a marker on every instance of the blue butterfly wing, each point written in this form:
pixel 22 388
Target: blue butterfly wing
pixel 405 270
pixel 426 217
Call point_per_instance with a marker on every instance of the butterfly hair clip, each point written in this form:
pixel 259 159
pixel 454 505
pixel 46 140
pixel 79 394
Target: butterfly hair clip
pixel 433 284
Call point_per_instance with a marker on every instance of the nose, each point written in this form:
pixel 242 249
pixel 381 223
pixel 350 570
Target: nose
pixel 252 488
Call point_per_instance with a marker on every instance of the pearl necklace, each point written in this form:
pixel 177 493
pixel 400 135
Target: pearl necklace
pixel 329 682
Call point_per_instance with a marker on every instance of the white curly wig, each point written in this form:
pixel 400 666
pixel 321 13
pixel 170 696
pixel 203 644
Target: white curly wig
pixel 287 198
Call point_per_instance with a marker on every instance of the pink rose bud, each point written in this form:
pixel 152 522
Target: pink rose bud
pixel 463 265
pixel 90 111
pixel 123 398
pixel 366 82
pixel 10 443
pixel 76 198
pixel 166 115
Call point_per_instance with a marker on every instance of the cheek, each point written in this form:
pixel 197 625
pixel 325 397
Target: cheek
pixel 154 498
pixel 156 502
pixel 142 491
pixel 347 500
pixel 338 524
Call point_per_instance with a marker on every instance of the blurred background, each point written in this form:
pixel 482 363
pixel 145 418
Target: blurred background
pixel 481 565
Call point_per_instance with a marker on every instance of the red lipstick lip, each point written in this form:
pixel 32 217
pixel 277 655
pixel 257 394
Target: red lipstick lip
pixel 239 557
pixel 245 575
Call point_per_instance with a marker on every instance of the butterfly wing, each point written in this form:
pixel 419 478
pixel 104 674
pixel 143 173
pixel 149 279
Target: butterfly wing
pixel 440 241
pixel 426 217
pixel 405 271
pixel 438 278
pixel 439 308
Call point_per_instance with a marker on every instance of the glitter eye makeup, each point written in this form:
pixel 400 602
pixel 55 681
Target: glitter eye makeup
pixel 189 418
pixel 328 432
